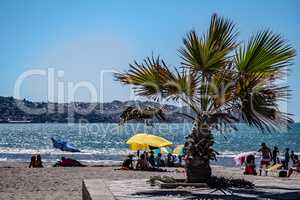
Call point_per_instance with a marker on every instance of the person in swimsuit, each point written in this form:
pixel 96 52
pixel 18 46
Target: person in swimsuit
pixel 142 163
pixel 32 162
pixel 266 156
pixel 39 162
pixel 296 166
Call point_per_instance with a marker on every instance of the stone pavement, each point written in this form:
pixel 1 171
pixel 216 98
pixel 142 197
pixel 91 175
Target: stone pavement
pixel 138 189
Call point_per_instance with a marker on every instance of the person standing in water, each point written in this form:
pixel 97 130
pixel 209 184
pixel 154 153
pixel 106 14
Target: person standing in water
pixel 266 156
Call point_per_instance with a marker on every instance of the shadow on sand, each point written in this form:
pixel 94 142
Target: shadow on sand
pixel 262 192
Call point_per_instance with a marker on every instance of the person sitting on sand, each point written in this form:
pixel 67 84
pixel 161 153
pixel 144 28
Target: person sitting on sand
pixel 295 168
pixel 68 162
pixel 170 160
pixel 152 159
pixel 142 163
pixel 159 161
pixel 250 165
pixel 266 156
pixel 128 163
pixel 32 162
pixel 39 162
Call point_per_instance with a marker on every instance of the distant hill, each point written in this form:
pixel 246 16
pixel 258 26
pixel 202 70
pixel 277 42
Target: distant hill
pixel 12 110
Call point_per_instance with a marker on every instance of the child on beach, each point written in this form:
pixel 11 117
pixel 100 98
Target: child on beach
pixel 266 156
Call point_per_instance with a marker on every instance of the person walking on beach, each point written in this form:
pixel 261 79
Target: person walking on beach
pixel 286 158
pixel 266 156
pixel 275 155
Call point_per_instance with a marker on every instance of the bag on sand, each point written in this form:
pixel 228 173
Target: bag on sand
pixel 282 173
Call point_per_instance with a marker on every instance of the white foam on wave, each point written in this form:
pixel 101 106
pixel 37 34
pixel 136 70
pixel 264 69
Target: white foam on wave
pixel 108 152
pixel 105 152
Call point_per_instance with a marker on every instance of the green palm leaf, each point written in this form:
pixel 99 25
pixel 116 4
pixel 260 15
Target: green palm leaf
pixel 210 52
pixel 266 52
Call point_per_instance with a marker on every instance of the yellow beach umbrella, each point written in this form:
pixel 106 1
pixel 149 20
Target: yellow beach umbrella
pixel 178 150
pixel 143 141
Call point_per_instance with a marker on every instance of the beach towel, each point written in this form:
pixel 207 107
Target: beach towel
pixel 274 167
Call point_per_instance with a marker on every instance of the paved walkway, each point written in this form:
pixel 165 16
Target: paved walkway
pixel 265 189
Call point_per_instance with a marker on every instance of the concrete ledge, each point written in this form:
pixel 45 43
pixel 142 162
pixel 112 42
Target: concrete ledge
pixel 95 189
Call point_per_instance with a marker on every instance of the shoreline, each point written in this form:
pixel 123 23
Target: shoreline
pixel 222 161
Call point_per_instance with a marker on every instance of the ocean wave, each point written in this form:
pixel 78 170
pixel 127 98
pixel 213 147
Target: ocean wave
pixel 108 152
pixel 86 153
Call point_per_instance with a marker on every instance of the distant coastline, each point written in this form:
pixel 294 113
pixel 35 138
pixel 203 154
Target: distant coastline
pixel 12 111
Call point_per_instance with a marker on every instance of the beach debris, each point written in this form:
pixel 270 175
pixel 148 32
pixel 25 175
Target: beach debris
pixel 221 184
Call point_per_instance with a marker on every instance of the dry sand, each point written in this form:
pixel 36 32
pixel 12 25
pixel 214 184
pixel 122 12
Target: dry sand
pixel 20 182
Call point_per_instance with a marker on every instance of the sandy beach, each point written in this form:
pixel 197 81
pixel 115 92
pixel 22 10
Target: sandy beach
pixel 20 182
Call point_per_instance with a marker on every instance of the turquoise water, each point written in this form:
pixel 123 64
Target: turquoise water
pixel 107 141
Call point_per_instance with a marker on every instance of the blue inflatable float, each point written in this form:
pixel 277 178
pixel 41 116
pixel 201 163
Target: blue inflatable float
pixel 64 146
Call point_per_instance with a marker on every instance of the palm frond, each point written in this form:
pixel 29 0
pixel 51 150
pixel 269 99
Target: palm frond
pixel 146 77
pixel 210 52
pixel 266 53
pixel 260 108
pixel 222 34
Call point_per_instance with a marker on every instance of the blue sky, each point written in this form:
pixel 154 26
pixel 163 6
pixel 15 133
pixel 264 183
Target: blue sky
pixel 83 38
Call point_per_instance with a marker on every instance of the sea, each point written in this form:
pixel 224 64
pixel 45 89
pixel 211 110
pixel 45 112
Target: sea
pixel 106 143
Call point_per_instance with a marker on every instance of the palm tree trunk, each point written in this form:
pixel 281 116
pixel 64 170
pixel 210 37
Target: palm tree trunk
pixel 199 154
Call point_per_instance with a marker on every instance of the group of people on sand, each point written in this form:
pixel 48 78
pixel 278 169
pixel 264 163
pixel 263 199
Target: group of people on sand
pixel 36 161
pixel 148 161
pixel 270 158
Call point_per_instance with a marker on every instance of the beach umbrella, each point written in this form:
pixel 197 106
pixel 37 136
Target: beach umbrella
pixel 178 150
pixel 241 158
pixel 143 141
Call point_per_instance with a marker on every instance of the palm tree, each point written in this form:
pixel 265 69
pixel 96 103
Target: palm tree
pixel 223 82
